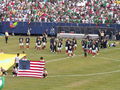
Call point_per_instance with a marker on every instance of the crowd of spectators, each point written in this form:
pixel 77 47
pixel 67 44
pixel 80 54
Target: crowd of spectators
pixel 76 11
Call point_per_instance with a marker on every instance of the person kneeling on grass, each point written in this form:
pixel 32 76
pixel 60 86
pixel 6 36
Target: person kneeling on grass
pixel 14 71
pixel 4 72
pixel 45 73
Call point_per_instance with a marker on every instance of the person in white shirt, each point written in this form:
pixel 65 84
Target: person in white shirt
pixel 6 37
pixel 17 60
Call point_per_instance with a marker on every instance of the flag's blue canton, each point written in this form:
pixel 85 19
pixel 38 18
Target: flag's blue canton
pixel 24 65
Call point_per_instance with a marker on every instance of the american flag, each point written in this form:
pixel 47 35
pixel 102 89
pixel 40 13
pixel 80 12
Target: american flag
pixel 31 68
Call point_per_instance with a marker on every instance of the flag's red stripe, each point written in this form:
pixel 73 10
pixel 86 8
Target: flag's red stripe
pixel 36 66
pixel 29 75
pixel 40 69
pixel 38 61
pixel 30 71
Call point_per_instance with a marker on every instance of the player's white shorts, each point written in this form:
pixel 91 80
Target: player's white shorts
pixel 27 44
pixel 21 44
pixel 82 46
pixel 38 46
pixel 90 49
pixel 69 51
pixel 93 51
pixel 75 45
pixel 59 48
pixel 44 44
pixel 96 49
pixel 66 48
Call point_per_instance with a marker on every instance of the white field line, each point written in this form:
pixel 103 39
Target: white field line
pixel 109 58
pixel 108 49
pixel 85 75
pixel 60 59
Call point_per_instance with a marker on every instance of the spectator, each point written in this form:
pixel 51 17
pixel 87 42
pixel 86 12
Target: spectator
pixel 77 11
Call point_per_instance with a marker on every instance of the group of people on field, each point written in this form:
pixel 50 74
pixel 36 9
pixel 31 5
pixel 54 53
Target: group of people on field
pixel 56 45
pixel 40 42
pixel 3 72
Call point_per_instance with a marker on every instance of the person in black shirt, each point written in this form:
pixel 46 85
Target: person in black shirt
pixel 94 49
pixel 68 42
pixel 44 41
pixel 55 46
pixel 70 50
pixel 39 42
pixel 52 44
pixel 27 40
pixel 74 42
pixel 118 36
pixel 36 42
pixel 59 47
pixel 21 44
pixel 6 37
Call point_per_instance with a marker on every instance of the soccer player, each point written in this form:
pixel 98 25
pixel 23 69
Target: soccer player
pixel 67 43
pixel 37 38
pixel 55 46
pixel 27 40
pixel 52 44
pixel 21 44
pixel 70 50
pixel 44 41
pixel 59 46
pixel 39 42
pixel 94 49
pixel 84 46
pixel 74 41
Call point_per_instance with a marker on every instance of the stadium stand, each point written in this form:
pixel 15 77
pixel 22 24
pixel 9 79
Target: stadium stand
pixel 77 11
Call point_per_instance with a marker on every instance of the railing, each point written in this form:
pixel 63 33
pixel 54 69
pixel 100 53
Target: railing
pixel 41 27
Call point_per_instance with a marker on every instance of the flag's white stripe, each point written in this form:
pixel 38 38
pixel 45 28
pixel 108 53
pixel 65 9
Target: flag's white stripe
pixel 35 68
pixel 30 76
pixel 30 71
pixel 27 73
pixel 37 65
pixel 37 62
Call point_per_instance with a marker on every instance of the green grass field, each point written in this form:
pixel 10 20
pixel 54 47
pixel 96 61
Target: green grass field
pixel 75 73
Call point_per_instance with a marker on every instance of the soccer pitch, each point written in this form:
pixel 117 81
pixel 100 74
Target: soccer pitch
pixel 66 73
